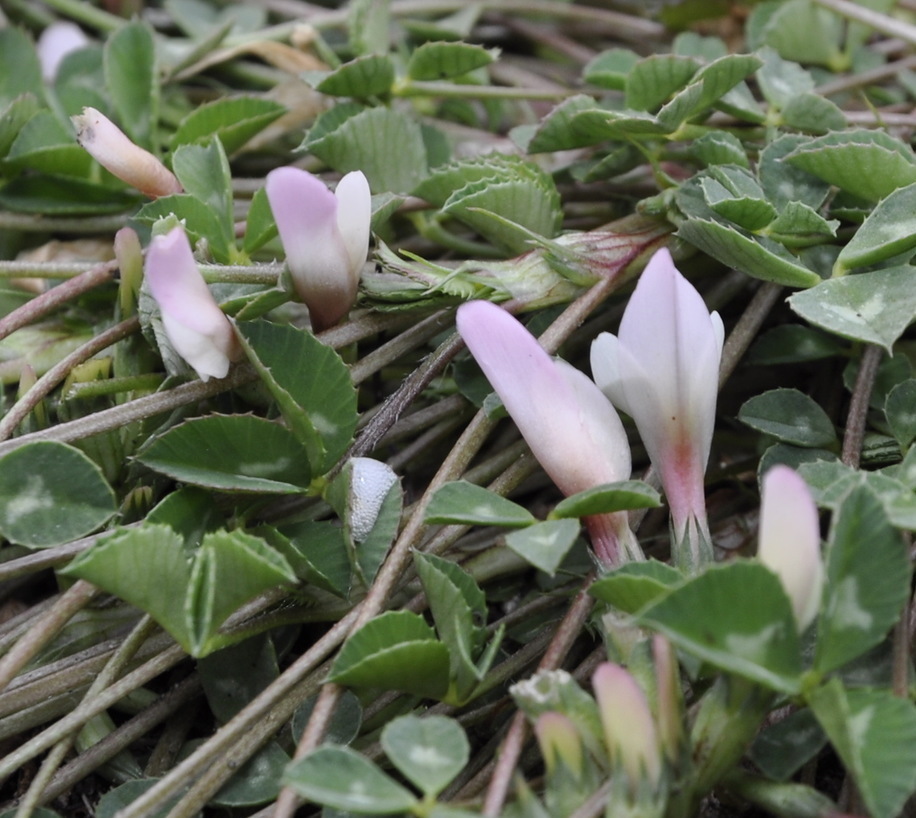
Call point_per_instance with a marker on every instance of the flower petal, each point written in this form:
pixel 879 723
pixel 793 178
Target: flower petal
pixel 789 540
pixel 112 149
pixel 354 215
pixel 572 429
pixel 195 325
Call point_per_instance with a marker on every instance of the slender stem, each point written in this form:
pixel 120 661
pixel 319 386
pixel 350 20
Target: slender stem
pixel 858 406
pixel 110 672
pixel 891 26
pixel 744 332
pixel 450 90
pixel 26 223
pixel 511 748
pixel 43 386
pixel 87 710
pixel 74 599
pixel 48 301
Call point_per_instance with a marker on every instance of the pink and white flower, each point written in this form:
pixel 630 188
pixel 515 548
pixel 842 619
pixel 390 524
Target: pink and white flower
pixel 662 369
pixel 196 327
pixel 570 426
pixel 789 540
pixel 325 235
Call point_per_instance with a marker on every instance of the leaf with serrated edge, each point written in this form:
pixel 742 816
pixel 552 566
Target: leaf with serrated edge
pixel 756 639
pixel 867 581
pixel 874 307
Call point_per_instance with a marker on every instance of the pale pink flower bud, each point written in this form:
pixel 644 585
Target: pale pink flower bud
pixel 662 369
pixel 558 739
pixel 325 235
pixel 54 43
pixel 789 540
pixel 196 327
pixel 113 150
pixel 570 426
pixel 629 728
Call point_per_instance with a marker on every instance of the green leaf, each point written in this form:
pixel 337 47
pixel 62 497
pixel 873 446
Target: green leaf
pixel 344 725
pixel 783 748
pixel 868 164
pixel 793 343
pixel 545 544
pixel 14 116
pixel 230 568
pixel 874 733
pixel 790 416
pixel 260 226
pixel 343 779
pixel 311 385
pixel 889 230
pixel 609 69
pixel 363 141
pixel 757 256
pixel 367 76
pixel 783 183
pixel 634 585
pixel 130 74
pixel 204 173
pixel 443 60
pixel 231 453
pixel 201 222
pixel 395 651
pixel 51 493
pixel 429 752
pixel 257 781
pixel 20 71
pixel 458 607
pixel 233 120
pixel 44 144
pixel 900 409
pixel 463 503
pixel 654 80
pixel 799 226
pixel 622 496
pixel 719 148
pixel 813 113
pixel 801 30
pixel 233 676
pixel 145 566
pixel 317 552
pixel 189 512
pixel 707 87
pixel 737 617
pixel 780 80
pixel 873 307
pixel 867 581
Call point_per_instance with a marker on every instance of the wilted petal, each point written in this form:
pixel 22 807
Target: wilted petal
pixel 325 236
pixel 112 149
pixel 789 540
pixel 570 426
pixel 629 728
pixel 559 739
pixel 195 325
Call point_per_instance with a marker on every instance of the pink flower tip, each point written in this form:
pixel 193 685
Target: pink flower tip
pixel 196 327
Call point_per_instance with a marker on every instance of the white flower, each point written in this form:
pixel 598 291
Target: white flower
pixel 196 327
pixel 662 369
pixel 325 235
